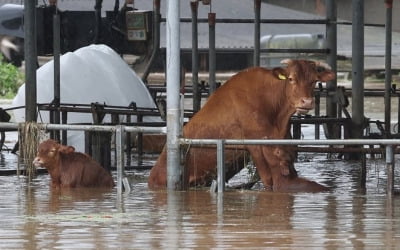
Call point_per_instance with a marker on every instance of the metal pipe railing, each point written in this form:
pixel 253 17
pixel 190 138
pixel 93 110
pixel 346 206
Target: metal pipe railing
pixel 30 51
pixel 389 143
pixel 57 70
pixel 388 65
pixel 212 55
pixel 293 141
pixel 83 127
pixel 357 85
pixel 156 39
pixel 195 58
pixel 173 101
pixel 257 32
pixel 251 20
pixel 331 59
pixel 119 131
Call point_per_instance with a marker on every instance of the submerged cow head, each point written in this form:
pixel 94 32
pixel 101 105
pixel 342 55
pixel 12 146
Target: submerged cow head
pixel 49 152
pixel 301 77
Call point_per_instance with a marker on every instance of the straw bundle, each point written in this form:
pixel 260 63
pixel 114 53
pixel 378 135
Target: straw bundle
pixel 29 136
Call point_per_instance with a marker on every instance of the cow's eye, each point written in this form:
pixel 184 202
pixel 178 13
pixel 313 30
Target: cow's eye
pixel 52 151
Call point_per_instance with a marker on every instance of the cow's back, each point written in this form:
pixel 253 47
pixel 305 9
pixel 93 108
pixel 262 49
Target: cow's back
pixel 80 170
pixel 230 109
pixel 226 114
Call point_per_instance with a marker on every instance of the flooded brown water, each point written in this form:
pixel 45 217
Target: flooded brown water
pixel 34 217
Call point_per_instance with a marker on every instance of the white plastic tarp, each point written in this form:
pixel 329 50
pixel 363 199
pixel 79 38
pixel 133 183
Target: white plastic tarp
pixel 95 73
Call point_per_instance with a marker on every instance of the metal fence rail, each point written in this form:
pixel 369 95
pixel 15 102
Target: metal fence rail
pixel 118 130
pixel 220 146
pixel 82 127
pixel 294 141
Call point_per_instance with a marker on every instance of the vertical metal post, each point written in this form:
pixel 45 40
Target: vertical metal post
pixel 331 44
pixel 174 171
pixel 139 119
pixel 64 119
pixel 257 14
pixel 57 83
pixel 358 68
pixel 97 27
pixel 398 112
pixel 174 217
pixel 388 65
pixel 30 59
pixel 128 142
pixel 211 52
pixel 390 169
pixel 220 210
pixel 363 177
pixel 156 39
pixel 195 58
pixel 317 113
pixel 221 166
pixel 119 131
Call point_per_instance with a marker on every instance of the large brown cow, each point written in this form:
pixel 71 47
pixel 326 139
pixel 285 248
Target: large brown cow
pixel 255 103
pixel 70 169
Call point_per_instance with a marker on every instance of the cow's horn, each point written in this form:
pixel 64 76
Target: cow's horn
pixel 323 65
pixel 286 61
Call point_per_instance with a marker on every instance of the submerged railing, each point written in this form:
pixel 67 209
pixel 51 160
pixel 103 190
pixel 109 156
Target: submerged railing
pixel 220 145
pixel 119 131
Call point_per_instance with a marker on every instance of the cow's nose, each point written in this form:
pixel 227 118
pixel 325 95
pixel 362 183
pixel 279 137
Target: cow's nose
pixel 36 161
pixel 307 103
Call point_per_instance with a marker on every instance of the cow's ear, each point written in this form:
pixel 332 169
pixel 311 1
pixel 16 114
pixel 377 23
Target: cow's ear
pixel 67 149
pixel 327 75
pixel 280 73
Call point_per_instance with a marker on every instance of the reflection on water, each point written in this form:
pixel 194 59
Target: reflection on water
pixel 33 217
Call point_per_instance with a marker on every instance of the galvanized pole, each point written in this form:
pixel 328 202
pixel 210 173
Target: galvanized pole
pixel 390 169
pixel 97 27
pixel 57 88
pixel 30 60
pixel 257 14
pixel 221 166
pixel 174 171
pixel 358 68
pixel 331 44
pixel 119 150
pixel 388 65
pixel 195 58
pixel 156 39
pixel 211 52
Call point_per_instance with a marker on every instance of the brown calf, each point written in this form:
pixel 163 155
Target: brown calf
pixel 70 169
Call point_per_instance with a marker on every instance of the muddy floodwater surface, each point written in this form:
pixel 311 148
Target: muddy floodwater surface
pixel 34 217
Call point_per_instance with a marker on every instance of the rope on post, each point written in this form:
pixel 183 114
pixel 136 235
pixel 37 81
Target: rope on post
pixel 30 134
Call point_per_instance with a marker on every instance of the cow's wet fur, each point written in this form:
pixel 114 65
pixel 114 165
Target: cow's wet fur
pixel 70 169
pixel 253 104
